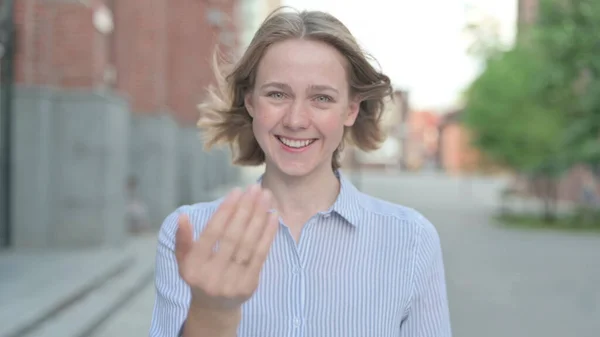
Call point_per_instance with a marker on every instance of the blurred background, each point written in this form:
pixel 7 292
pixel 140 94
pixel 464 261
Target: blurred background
pixel 493 134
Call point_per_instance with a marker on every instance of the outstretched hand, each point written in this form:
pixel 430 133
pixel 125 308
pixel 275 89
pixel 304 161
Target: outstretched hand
pixel 222 267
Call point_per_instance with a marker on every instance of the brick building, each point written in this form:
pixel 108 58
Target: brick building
pixel 422 140
pixel 103 89
pixel 455 153
pixel 157 55
pixel 394 124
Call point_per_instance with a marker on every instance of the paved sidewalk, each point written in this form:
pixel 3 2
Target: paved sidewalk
pixel 33 285
pixel 37 286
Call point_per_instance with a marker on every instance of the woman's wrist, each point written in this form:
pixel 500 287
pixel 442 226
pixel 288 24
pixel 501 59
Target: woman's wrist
pixel 202 321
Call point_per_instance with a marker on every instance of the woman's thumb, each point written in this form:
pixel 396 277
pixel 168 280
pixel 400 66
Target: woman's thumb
pixel 184 238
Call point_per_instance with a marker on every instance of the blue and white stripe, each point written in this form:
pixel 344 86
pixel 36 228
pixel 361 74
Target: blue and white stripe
pixel 364 268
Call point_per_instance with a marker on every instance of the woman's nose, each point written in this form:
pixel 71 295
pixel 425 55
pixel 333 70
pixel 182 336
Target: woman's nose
pixel 297 116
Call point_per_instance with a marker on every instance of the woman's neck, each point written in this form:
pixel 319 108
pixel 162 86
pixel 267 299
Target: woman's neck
pixel 302 197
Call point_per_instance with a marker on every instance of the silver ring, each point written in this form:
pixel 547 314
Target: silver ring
pixel 240 260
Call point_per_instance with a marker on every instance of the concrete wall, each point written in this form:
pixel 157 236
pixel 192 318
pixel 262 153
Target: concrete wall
pixel 198 168
pixel 172 167
pixel 72 153
pixel 3 167
pixel 154 161
pixel 201 172
pixel 189 181
pixel 70 159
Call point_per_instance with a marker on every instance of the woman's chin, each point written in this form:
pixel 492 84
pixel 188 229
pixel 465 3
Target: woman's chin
pixel 295 168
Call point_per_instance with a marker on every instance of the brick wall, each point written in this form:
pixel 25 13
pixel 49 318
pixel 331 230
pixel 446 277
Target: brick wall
pixel 141 53
pixel 160 49
pixel 57 45
pixel 192 38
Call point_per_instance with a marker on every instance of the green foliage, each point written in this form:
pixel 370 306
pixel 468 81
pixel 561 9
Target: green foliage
pixel 536 107
pixel 512 121
pixel 568 33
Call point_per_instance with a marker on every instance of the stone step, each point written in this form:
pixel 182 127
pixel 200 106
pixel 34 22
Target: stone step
pixel 82 318
pixel 23 314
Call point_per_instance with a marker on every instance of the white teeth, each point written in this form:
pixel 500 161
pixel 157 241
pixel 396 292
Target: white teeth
pixel 297 144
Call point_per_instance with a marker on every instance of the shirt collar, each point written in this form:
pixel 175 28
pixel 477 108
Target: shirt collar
pixel 347 205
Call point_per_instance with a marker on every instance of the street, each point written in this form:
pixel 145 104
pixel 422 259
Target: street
pixel 501 282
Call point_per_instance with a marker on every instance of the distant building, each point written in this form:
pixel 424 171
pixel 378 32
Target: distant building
pixel 393 124
pixel 455 153
pixel 422 139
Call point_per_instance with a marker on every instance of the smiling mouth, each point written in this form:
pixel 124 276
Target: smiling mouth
pixel 295 143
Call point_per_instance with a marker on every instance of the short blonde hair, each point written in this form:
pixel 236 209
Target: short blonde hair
pixel 224 118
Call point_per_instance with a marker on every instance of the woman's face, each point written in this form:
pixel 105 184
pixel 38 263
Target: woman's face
pixel 300 105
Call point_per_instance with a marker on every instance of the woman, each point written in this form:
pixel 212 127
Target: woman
pixel 303 252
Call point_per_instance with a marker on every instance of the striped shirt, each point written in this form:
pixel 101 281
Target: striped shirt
pixel 366 267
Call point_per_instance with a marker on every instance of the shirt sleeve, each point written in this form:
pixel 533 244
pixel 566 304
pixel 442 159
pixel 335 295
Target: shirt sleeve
pixel 428 314
pixel 172 293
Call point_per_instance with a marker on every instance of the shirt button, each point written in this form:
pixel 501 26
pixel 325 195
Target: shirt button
pixel 296 270
pixel 296 322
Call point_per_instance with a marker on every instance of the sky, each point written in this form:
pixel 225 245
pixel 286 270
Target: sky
pixel 420 44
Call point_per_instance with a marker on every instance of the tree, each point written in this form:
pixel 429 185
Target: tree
pixel 512 120
pixel 568 33
pixel 536 107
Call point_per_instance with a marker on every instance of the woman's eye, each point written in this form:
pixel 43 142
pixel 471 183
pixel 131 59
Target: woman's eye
pixel 323 99
pixel 276 95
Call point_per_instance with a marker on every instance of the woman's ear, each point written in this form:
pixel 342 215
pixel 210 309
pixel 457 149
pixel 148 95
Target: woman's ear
pixel 353 109
pixel 248 103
